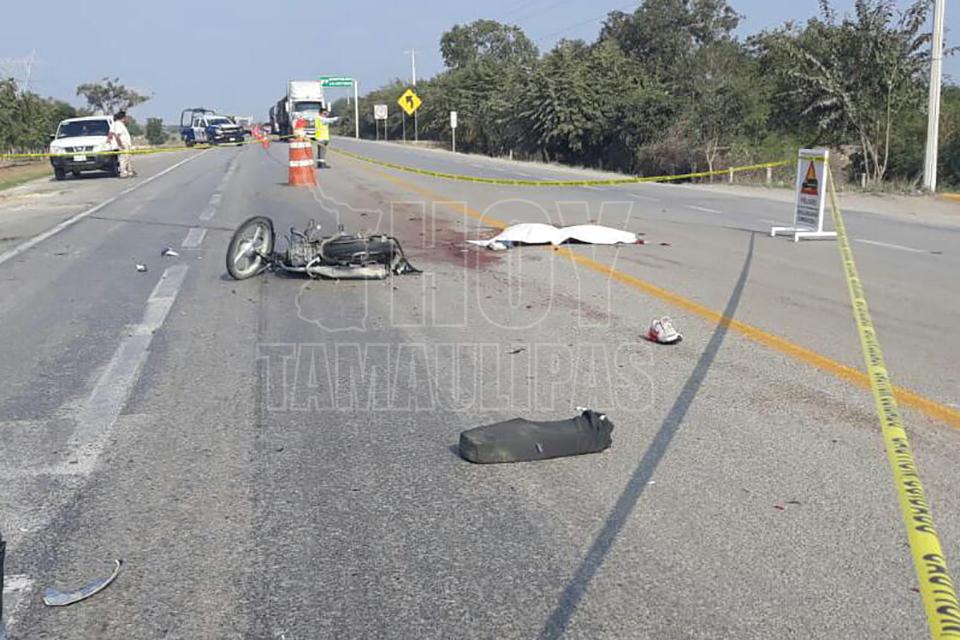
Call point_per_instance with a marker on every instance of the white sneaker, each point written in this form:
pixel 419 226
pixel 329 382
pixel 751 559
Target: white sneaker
pixel 662 331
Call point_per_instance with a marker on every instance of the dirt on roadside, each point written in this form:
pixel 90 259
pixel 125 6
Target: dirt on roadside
pixel 15 174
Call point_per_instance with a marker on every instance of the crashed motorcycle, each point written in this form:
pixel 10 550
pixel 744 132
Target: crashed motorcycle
pixel 338 257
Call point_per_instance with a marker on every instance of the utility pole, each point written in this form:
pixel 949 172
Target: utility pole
pixel 936 79
pixel 356 109
pixel 416 122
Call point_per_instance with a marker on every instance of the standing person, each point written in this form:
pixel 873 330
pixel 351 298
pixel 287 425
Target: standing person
pixel 120 134
pixel 322 135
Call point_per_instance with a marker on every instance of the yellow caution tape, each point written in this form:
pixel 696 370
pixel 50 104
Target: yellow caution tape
pixel 936 586
pixel 556 183
pixel 113 152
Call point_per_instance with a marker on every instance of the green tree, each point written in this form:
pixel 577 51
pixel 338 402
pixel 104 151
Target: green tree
pixel 109 96
pixel 482 40
pixel 726 102
pixel 857 75
pixel 26 119
pixel 558 112
pixel 664 34
pixel 156 134
pixel 134 127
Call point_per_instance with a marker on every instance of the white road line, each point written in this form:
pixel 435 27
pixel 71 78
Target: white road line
pixel 891 246
pixel 194 238
pixel 781 222
pixel 592 188
pixel 647 198
pixel 217 198
pixel 703 209
pixel 69 222
pixel 15 589
pixel 99 413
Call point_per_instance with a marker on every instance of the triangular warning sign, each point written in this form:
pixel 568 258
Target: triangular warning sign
pixel 811 184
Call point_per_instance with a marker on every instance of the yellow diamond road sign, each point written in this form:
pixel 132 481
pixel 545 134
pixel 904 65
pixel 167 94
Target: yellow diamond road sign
pixel 410 102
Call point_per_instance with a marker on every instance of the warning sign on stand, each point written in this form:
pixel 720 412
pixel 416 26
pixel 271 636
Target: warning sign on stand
pixel 811 184
pixel 811 197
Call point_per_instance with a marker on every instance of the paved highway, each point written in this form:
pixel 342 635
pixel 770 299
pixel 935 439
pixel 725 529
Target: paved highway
pixel 275 458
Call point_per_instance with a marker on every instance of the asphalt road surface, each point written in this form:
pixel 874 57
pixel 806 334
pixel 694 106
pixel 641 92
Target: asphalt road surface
pixel 276 458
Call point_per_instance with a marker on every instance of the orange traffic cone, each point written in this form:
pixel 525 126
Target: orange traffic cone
pixel 301 164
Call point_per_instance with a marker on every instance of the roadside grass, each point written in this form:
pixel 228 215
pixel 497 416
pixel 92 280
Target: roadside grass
pixel 17 174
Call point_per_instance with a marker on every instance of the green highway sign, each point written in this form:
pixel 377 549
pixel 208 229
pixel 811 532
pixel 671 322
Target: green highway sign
pixel 335 81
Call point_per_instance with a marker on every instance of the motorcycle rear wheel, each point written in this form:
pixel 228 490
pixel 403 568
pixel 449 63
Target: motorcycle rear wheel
pixel 251 241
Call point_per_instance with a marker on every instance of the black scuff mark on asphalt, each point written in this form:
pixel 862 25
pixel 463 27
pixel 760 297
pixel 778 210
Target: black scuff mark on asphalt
pixel 576 589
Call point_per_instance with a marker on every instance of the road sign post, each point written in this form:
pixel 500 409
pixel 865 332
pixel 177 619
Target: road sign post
pixel 812 182
pixel 343 81
pixel 356 110
pixel 453 129
pixel 380 112
pixel 410 102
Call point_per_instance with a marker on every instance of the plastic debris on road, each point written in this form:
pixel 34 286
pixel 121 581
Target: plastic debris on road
pixel 662 331
pixel 521 440
pixel 142 268
pixel 55 598
pixel 538 233
pixel 168 252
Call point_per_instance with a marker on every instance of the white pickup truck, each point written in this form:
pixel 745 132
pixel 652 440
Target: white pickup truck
pixel 81 144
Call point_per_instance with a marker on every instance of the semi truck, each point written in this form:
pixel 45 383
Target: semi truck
pixel 305 100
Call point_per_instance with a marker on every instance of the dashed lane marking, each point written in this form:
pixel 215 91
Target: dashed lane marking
pixel 69 222
pixel 703 209
pixel 194 238
pixel 887 245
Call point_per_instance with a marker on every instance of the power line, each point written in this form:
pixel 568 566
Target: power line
pixel 585 22
pixel 519 8
pixel 541 10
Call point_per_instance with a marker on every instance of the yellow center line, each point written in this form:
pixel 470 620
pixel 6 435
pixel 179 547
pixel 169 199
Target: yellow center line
pixel 931 408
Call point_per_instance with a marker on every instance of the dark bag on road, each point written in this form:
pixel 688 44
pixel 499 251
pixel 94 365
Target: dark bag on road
pixel 521 440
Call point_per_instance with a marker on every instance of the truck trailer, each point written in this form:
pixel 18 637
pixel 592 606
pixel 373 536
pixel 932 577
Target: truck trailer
pixel 305 100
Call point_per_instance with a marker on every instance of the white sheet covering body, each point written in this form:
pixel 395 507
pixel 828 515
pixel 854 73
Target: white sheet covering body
pixel 538 233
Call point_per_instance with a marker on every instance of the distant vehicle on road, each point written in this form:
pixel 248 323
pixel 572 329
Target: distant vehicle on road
pixel 305 100
pixel 81 144
pixel 244 122
pixel 206 126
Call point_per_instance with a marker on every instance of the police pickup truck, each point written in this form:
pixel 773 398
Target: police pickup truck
pixel 205 126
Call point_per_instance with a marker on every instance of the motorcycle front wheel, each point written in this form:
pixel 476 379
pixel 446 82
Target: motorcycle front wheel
pixel 249 246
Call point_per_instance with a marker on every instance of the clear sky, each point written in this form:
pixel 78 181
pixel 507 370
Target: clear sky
pixel 237 56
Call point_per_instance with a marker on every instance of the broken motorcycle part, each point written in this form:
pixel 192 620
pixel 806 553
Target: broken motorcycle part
pixel 339 257
pixel 55 598
pixel 521 440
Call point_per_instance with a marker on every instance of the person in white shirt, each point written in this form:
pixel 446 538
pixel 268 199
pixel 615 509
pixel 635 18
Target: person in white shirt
pixel 120 135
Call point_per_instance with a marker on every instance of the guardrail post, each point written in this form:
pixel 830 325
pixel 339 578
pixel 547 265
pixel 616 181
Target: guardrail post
pixel 731 176
pixel 769 176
